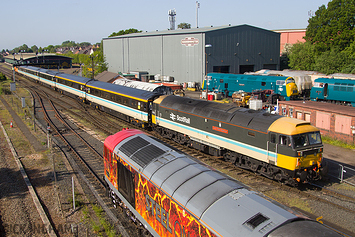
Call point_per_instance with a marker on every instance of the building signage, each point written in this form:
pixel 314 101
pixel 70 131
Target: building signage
pixel 189 41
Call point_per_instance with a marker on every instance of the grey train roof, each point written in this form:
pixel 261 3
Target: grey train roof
pixel 152 87
pixel 83 80
pixel 229 113
pixel 42 70
pixel 216 199
pixel 137 93
pixel 76 78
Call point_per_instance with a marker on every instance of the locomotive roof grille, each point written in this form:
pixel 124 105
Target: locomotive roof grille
pixel 133 145
pixel 140 151
pixel 145 155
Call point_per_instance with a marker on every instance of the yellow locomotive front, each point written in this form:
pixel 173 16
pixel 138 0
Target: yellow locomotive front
pixel 291 87
pixel 298 148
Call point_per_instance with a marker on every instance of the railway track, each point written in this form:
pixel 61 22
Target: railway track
pixel 255 181
pixel 86 158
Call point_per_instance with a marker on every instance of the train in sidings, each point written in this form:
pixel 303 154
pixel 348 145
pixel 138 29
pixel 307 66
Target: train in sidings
pixel 229 83
pixel 339 91
pixel 172 194
pixel 280 148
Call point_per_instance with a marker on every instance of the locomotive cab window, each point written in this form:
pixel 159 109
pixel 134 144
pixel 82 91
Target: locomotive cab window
pixel 284 140
pixel 290 80
pixel 305 139
pixel 280 83
pixel 272 137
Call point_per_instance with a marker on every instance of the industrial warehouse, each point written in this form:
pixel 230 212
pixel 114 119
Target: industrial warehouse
pixel 187 55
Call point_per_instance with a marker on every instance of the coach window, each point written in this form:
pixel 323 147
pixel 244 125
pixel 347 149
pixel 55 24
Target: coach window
pixel 263 83
pixel 133 104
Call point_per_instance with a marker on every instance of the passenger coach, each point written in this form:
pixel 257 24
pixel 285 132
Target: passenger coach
pixel 127 103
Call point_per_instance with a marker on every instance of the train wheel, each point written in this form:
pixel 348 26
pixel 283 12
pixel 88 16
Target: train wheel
pixel 230 157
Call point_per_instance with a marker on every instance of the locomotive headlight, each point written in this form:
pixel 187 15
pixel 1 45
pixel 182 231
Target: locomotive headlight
pixel 320 149
pixel 300 153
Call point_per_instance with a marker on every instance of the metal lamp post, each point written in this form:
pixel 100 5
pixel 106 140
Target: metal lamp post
pixel 206 46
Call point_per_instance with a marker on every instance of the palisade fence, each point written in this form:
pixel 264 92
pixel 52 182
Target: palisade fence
pixel 343 173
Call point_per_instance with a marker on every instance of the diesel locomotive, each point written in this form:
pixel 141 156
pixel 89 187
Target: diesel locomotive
pixel 229 83
pixel 277 147
pixel 340 91
pixel 172 194
pixel 281 148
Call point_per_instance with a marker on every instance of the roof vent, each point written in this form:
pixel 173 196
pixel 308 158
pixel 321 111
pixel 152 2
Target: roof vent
pixel 256 220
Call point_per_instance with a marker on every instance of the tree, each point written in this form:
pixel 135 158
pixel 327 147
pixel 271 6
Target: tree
pixel 125 32
pixel 302 56
pixel 50 49
pixel 184 26
pixel 350 55
pixel 84 44
pixel 332 26
pixel 94 63
pixel 331 61
pixel 68 43
pixel 34 49
pixel 330 35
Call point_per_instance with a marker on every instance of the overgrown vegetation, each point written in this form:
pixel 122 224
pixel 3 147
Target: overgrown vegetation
pixel 2 77
pixel 336 142
pixel 4 85
pixel 101 226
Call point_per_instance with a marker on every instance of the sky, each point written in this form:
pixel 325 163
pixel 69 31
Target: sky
pixel 48 22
